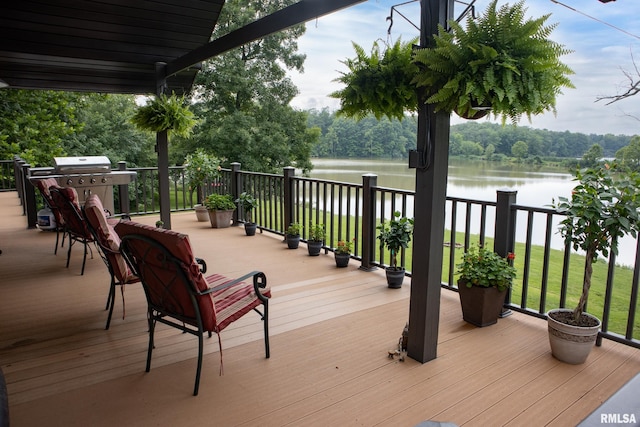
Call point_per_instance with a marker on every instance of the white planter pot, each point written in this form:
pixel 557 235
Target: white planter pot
pixel 571 344
pixel 220 219
pixel 201 213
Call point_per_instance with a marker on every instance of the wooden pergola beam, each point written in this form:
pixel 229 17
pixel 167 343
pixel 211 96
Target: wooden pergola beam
pixel 303 11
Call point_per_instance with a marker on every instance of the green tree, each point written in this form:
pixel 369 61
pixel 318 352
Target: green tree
pixel 34 123
pixel 108 131
pixel 489 151
pixel 242 97
pixel 629 155
pixel 520 150
pixel 593 154
pixel 470 148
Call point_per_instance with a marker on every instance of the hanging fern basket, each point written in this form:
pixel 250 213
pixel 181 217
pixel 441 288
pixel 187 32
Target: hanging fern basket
pixel 379 82
pixel 501 59
pixel 165 113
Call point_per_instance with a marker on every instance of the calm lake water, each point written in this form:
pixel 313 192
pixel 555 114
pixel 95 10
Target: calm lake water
pixel 535 186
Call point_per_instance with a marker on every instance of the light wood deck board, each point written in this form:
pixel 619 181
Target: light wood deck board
pixel 330 332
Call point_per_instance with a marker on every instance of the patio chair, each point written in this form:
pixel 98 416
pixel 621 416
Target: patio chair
pixel 44 185
pixel 179 295
pixel 109 248
pixel 66 199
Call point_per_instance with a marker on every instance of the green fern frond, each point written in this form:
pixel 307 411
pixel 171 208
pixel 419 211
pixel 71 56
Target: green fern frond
pixel 503 57
pixel 165 113
pixel 379 82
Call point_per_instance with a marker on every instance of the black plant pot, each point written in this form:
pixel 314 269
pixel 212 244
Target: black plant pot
pixel 293 240
pixel 342 260
pixel 395 277
pixel 314 247
pixel 250 228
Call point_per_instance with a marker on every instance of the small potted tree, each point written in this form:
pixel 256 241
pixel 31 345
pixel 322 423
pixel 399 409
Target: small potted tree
pixel 316 239
pixel 342 253
pixel 248 203
pixel 395 235
pixel 292 235
pixel 603 208
pixel 220 207
pixel 201 168
pixel 484 279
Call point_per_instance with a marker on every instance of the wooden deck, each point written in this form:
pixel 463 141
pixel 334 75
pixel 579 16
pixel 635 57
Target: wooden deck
pixel 331 330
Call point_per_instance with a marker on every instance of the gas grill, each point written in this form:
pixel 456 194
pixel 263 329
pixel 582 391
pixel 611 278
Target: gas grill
pixel 88 175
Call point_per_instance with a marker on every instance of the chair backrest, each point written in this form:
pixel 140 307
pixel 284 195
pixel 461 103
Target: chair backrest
pixel 106 237
pixel 170 275
pixel 44 185
pixel 66 199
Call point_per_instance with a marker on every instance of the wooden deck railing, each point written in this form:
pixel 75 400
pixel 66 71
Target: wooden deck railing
pixel 352 211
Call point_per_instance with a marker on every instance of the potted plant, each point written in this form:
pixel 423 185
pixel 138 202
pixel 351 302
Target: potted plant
pixel 165 113
pixel 395 235
pixel 293 235
pixel 248 203
pixel 484 279
pixel 501 62
pixel 316 239
pixel 603 208
pixel 342 253
pixel 220 207
pixel 379 83
pixel 201 168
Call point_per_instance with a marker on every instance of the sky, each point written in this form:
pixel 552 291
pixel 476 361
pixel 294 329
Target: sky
pixel 600 56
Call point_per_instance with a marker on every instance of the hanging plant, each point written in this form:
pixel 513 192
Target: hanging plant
pixel 502 61
pixel 165 113
pixel 379 83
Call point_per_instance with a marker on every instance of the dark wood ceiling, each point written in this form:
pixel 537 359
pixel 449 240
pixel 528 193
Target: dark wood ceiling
pixel 109 46
pixel 120 46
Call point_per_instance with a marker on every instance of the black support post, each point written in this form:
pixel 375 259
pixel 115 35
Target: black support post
pixel 29 192
pixel 369 182
pixel 505 230
pixel 432 156
pixel 288 173
pixel 123 192
pixel 236 188
pixel 162 148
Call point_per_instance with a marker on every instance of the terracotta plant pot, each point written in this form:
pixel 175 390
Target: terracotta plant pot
pixel 571 344
pixel 480 306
